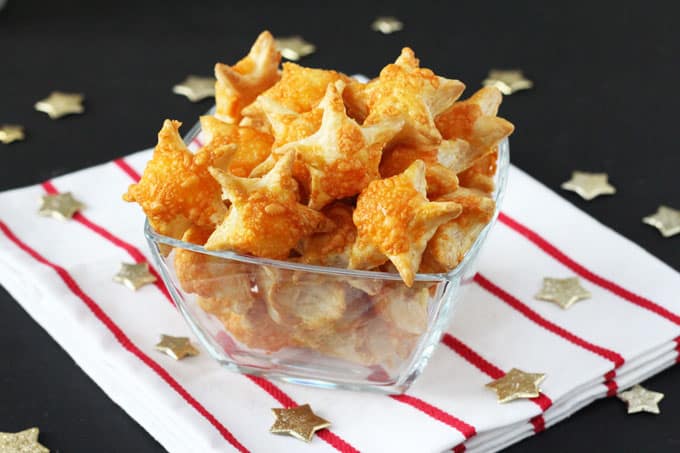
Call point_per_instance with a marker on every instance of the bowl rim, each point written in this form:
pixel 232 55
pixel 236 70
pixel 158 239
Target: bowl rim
pixel 503 166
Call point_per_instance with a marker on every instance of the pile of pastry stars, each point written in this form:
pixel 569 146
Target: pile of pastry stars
pixel 313 166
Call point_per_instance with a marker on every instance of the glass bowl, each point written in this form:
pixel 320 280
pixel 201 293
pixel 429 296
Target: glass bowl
pixel 319 326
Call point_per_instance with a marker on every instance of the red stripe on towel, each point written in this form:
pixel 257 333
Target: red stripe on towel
pixel 123 339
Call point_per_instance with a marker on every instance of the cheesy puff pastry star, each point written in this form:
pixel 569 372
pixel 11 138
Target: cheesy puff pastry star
pixel 253 146
pixel 416 95
pixel 176 190
pixel 239 85
pixel 265 218
pixel 454 238
pixel 394 219
pixel 474 120
pixel 342 157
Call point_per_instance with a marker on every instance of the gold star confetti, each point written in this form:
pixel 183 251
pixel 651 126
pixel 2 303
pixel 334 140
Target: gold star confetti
pixel 294 47
pixel 666 220
pixel 59 104
pixel 61 206
pixel 387 25
pixel 299 422
pixel 589 185
pixel 516 384
pixel 507 81
pixel 11 133
pixel 25 441
pixel 176 347
pixel 134 275
pixel 196 88
pixel 639 399
pixel 562 291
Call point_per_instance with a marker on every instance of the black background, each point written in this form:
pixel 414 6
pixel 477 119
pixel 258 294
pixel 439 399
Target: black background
pixel 605 99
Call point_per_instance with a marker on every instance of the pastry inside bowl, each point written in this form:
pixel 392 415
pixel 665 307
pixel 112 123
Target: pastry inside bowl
pixel 319 229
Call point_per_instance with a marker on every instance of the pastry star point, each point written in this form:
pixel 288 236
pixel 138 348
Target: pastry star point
pixel 25 441
pixel 176 347
pixel 11 133
pixel 562 291
pixel 134 275
pixel 517 384
pixel 299 422
pixel 666 220
pixel 60 206
pixel 589 185
pixel 196 88
pixel 59 104
pixel 639 399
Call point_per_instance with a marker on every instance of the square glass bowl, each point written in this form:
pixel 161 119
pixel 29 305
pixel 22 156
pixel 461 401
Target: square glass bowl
pixel 313 325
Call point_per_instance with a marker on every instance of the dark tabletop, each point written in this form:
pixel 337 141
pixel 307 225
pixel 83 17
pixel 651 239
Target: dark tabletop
pixel 605 99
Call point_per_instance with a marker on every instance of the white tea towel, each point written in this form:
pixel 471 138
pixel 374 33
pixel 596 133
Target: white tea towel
pixel 60 272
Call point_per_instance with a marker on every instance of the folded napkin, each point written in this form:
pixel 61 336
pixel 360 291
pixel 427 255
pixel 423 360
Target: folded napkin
pixel 60 272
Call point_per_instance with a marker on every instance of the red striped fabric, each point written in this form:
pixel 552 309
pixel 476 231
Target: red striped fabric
pixel 581 270
pixel 123 339
pixel 494 372
pixel 134 253
pixel 127 169
pixel 286 401
pixel 522 308
pixel 465 429
pixel 139 257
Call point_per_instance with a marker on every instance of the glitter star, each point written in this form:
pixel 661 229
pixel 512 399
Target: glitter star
pixel 196 88
pixel 516 384
pixel 11 133
pixel 299 422
pixel 25 441
pixel 508 81
pixel 639 399
pixel 589 185
pixel 387 25
pixel 562 291
pixel 59 104
pixel 294 47
pixel 176 347
pixel 666 220
pixel 61 206
pixel 134 276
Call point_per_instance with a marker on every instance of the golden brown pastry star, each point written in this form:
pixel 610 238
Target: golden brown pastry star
pixel 61 206
pixel 134 275
pixel 11 133
pixel 516 384
pixel 265 218
pixel 395 220
pixel 565 292
pixel 59 104
pixel 666 220
pixel 299 422
pixel 239 85
pixel 176 347
pixel 25 441
pixel 414 94
pixel 341 157
pixel 196 88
